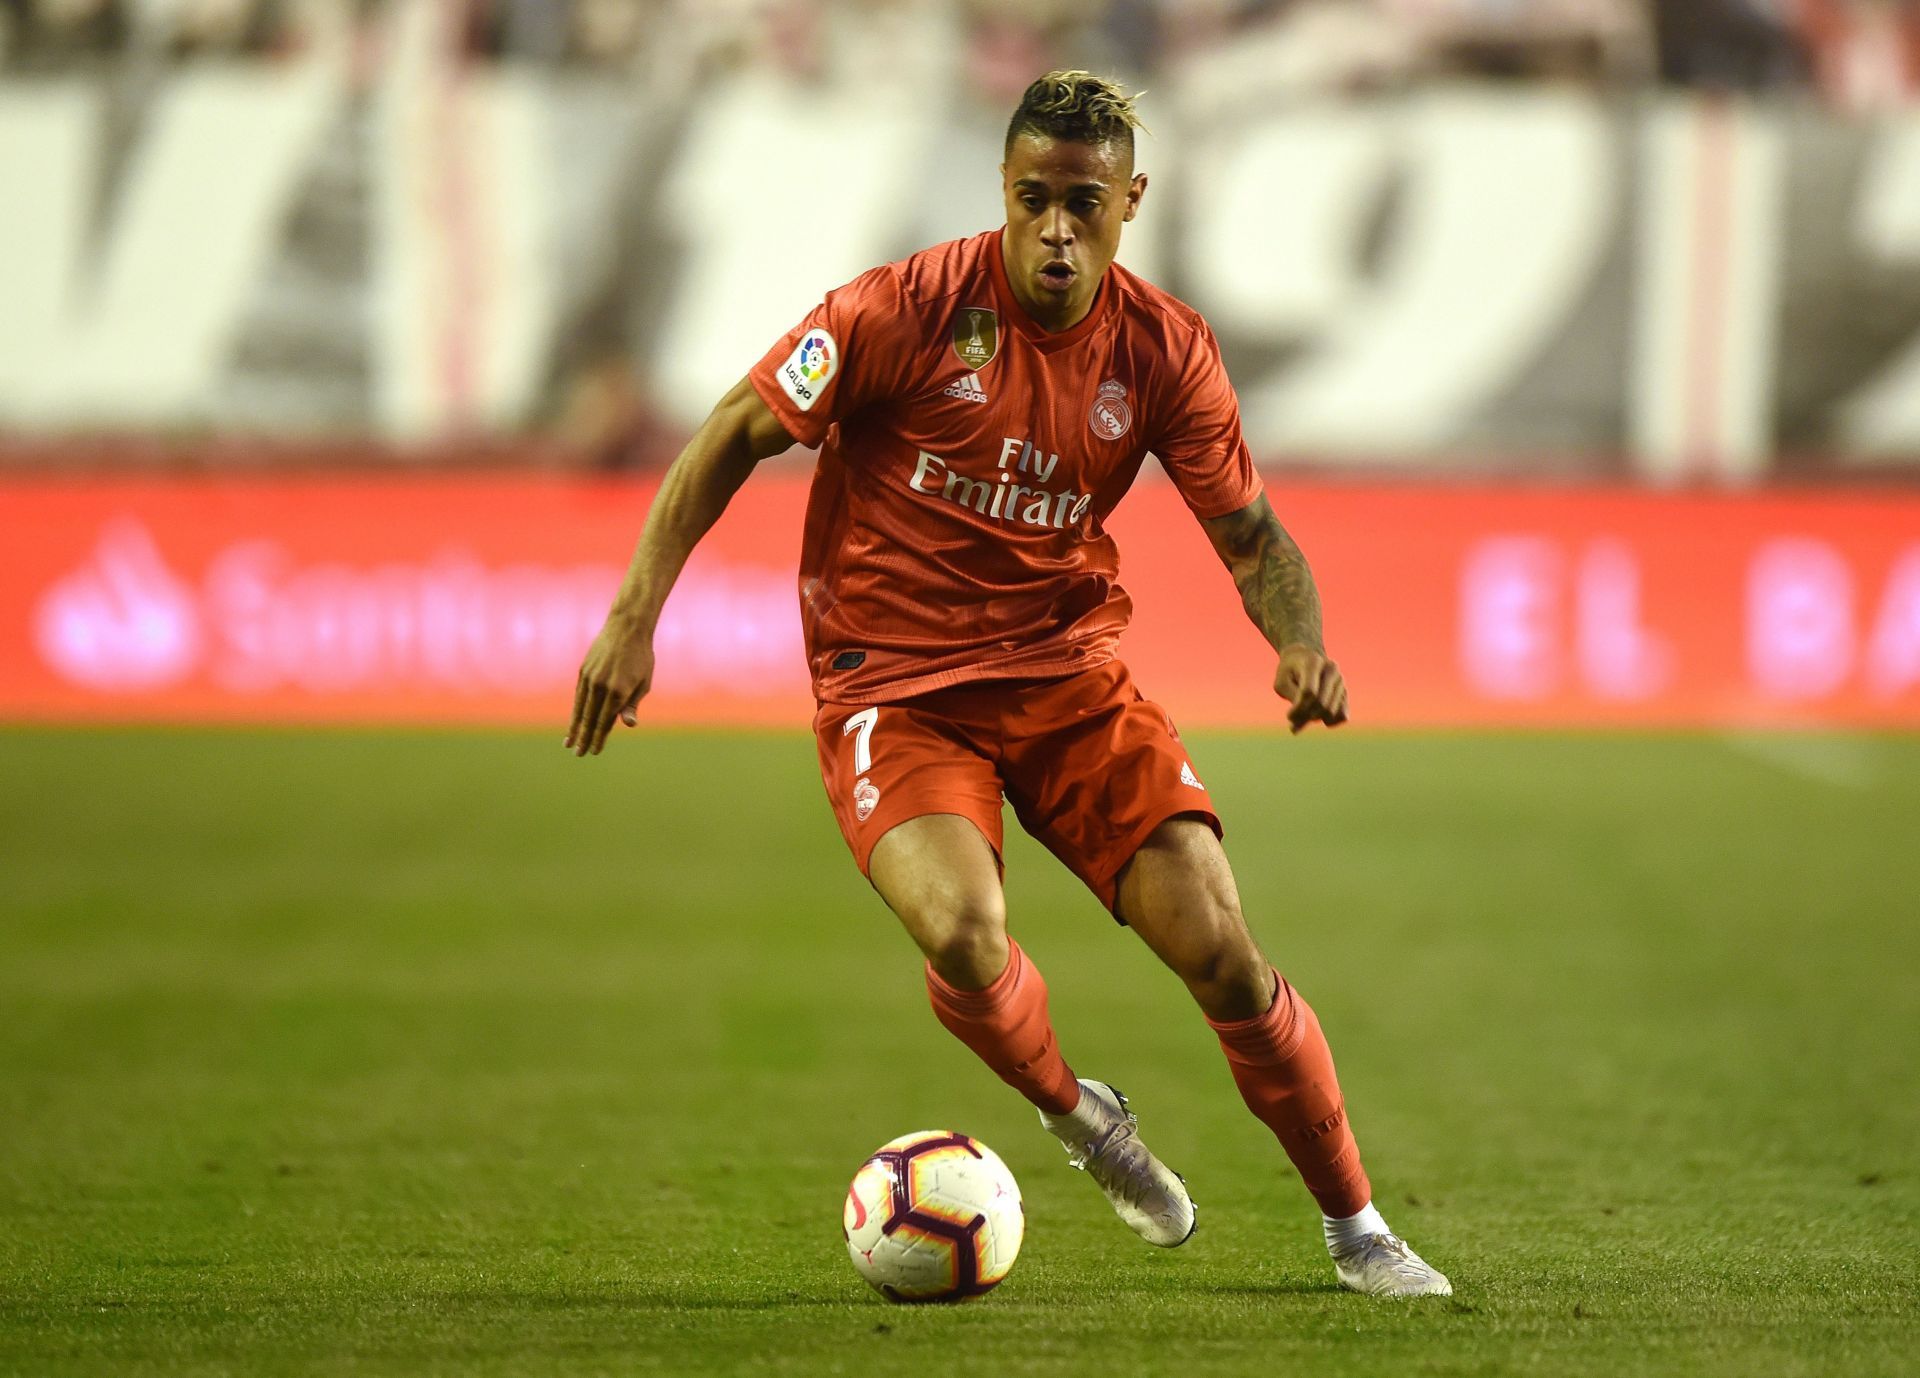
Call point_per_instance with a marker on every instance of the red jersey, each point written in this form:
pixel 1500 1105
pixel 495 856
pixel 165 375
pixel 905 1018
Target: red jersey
pixel 968 461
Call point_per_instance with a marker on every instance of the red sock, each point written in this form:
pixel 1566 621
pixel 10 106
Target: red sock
pixel 1284 1069
pixel 1007 1027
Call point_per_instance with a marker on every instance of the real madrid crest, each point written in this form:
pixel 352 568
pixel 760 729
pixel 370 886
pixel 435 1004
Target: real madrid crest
pixel 976 335
pixel 1110 417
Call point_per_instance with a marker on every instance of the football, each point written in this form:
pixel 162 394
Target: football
pixel 933 1216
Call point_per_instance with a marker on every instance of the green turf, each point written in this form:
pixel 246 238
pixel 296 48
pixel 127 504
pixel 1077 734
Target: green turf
pixel 413 1054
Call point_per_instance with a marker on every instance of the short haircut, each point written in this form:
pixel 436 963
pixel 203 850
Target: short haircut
pixel 1077 107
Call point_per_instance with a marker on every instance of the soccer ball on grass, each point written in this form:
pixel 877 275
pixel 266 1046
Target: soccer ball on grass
pixel 933 1216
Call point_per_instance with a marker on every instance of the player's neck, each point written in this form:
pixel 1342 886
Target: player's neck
pixel 1054 317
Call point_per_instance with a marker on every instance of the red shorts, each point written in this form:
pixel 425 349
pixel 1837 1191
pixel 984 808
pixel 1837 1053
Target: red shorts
pixel 1089 765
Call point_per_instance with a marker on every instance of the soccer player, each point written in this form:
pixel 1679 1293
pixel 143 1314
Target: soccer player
pixel 980 408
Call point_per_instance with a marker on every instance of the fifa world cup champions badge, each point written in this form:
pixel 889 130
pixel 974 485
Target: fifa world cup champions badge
pixel 976 336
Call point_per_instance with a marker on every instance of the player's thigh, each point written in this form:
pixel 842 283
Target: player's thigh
pixel 939 875
pixel 918 802
pixel 1178 893
pixel 1094 772
pixel 884 764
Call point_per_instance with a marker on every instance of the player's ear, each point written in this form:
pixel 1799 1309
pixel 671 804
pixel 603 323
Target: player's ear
pixel 1136 189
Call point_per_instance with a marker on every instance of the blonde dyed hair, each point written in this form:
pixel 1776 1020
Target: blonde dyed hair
pixel 1079 107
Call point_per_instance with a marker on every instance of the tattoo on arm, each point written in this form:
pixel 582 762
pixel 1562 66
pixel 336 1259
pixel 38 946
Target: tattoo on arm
pixel 1272 575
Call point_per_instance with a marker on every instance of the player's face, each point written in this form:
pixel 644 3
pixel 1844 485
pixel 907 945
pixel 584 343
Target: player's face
pixel 1066 203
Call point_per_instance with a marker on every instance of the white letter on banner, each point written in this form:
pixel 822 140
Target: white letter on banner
pixel 1800 638
pixel 1620 658
pixel 1893 655
pixel 1509 632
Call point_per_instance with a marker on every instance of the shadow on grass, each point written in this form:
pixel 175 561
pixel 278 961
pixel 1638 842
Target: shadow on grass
pixel 694 1300
pixel 1293 1287
pixel 641 1299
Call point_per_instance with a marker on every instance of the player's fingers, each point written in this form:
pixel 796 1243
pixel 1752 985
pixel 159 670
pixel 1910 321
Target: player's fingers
pixel 590 719
pixel 1331 704
pixel 1333 694
pixel 579 706
pixel 1307 702
pixel 615 708
pixel 628 713
pixel 603 727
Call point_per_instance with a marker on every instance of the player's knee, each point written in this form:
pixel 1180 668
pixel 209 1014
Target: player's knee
pixel 965 938
pixel 1224 967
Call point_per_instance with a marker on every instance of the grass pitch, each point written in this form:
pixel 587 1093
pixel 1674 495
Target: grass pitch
pixel 419 1054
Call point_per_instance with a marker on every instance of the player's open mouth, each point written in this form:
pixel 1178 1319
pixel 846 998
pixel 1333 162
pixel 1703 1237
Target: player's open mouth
pixel 1058 275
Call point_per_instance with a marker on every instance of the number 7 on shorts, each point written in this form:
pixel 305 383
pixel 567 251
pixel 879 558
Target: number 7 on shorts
pixel 862 722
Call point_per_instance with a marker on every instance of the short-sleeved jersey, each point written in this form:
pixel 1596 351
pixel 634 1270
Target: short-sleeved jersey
pixel 969 459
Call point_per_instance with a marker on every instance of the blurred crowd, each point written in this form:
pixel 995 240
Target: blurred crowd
pixel 1861 55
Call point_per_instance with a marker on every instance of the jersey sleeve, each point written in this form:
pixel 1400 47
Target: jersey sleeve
pixel 858 346
pixel 1200 445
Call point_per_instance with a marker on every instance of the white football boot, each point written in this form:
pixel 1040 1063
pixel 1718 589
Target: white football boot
pixel 1102 1139
pixel 1381 1265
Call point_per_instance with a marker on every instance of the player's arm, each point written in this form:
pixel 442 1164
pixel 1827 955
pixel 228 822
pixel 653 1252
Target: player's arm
pixel 618 671
pixel 1278 591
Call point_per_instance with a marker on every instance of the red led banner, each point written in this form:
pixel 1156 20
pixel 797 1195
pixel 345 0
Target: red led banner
pixel 470 599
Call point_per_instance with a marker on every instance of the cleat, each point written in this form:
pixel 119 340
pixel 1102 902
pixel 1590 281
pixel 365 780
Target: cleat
pixel 1102 1139
pixel 1382 1265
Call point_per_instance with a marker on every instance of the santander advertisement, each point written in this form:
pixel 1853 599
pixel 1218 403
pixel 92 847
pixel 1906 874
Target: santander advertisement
pixel 460 599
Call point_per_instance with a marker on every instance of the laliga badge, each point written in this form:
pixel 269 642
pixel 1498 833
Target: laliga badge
pixel 976 336
pixel 1110 417
pixel 811 366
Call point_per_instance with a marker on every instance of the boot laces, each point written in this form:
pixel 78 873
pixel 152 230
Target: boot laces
pixel 1114 1162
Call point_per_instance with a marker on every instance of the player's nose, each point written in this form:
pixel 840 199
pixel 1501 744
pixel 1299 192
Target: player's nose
pixel 1056 230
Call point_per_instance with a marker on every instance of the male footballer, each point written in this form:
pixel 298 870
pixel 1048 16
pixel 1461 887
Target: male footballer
pixel 980 408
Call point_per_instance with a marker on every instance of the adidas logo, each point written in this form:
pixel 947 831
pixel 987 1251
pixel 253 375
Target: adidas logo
pixel 1187 777
pixel 967 388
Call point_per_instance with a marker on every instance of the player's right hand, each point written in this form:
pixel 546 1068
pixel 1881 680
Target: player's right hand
pixel 615 676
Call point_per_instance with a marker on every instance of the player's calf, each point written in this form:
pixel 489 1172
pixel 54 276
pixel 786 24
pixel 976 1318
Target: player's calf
pixel 1007 1026
pixel 1284 1070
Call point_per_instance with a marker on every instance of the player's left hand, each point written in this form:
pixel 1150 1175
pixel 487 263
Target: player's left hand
pixel 1312 684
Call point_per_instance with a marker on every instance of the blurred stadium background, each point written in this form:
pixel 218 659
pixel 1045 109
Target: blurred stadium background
pixel 1581 339
pixel 341 345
